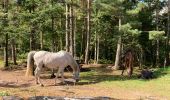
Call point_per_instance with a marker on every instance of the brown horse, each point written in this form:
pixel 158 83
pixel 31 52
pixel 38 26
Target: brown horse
pixel 127 62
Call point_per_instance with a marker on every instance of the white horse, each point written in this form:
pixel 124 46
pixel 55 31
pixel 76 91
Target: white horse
pixel 51 60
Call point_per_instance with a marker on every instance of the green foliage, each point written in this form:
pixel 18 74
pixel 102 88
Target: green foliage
pixel 138 18
pixel 140 6
pixel 22 56
pixel 105 61
pixel 156 35
pixel 4 93
pixel 127 29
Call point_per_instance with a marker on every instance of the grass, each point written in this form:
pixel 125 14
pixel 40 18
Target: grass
pixel 102 78
pixel 1 63
pixel 160 85
pixel 4 93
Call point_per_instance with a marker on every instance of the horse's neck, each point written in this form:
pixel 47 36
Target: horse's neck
pixel 75 66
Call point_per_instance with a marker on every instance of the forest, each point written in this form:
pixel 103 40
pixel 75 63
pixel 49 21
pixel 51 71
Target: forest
pixel 94 32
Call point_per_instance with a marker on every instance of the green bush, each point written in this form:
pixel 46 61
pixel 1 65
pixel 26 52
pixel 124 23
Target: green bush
pixel 105 61
pixel 22 56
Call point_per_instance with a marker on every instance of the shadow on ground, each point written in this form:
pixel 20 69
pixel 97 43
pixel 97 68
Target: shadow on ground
pixel 57 98
pixel 14 85
pixel 68 98
pixel 101 74
pixel 94 75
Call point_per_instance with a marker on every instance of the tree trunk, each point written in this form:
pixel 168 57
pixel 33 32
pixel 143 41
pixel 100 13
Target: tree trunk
pixel 13 48
pixel 116 66
pixel 32 32
pixel 84 38
pixel 67 28
pixel 167 62
pixel 98 48
pixel 157 53
pixel 32 41
pixel 157 41
pixel 141 58
pixel 71 29
pixel 52 36
pixel 5 7
pixel 95 49
pixel 6 51
pixel 61 36
pixel 41 40
pixel 75 30
pixel 88 32
pixel 52 28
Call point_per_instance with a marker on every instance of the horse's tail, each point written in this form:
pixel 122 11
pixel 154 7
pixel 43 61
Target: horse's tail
pixel 30 63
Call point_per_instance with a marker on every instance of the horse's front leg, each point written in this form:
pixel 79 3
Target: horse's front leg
pixel 37 76
pixel 57 77
pixel 62 76
pixel 130 69
pixel 122 72
pixel 60 70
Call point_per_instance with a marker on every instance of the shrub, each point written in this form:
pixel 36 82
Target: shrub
pixel 105 61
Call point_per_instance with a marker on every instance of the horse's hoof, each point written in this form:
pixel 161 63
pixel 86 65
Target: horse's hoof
pixel 62 83
pixel 52 76
pixel 55 84
pixel 42 85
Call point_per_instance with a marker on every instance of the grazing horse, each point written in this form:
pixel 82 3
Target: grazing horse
pixel 52 60
pixel 127 62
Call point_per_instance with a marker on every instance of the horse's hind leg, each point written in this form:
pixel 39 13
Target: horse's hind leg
pixel 58 72
pixel 37 75
pixel 62 75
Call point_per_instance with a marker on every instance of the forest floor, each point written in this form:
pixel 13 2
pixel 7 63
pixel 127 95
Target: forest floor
pixel 95 82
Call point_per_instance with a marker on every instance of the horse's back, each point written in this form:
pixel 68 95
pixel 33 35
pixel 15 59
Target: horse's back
pixel 50 59
pixel 39 56
pixel 64 58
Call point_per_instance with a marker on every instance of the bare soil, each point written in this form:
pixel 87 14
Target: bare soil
pixel 15 83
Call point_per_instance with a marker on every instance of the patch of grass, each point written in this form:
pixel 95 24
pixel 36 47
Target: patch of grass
pixel 1 63
pixel 4 93
pixel 159 85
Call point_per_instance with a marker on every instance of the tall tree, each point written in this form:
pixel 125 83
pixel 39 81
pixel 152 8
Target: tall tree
pixel 71 29
pixel 75 31
pixel 13 48
pixel 119 44
pixel 67 26
pixel 166 61
pixel 53 42
pixel 88 31
pixel 5 8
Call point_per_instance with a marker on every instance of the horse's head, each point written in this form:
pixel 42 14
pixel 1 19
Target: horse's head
pixel 76 76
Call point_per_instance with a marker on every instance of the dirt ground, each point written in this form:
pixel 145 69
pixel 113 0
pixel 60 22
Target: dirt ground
pixel 15 83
